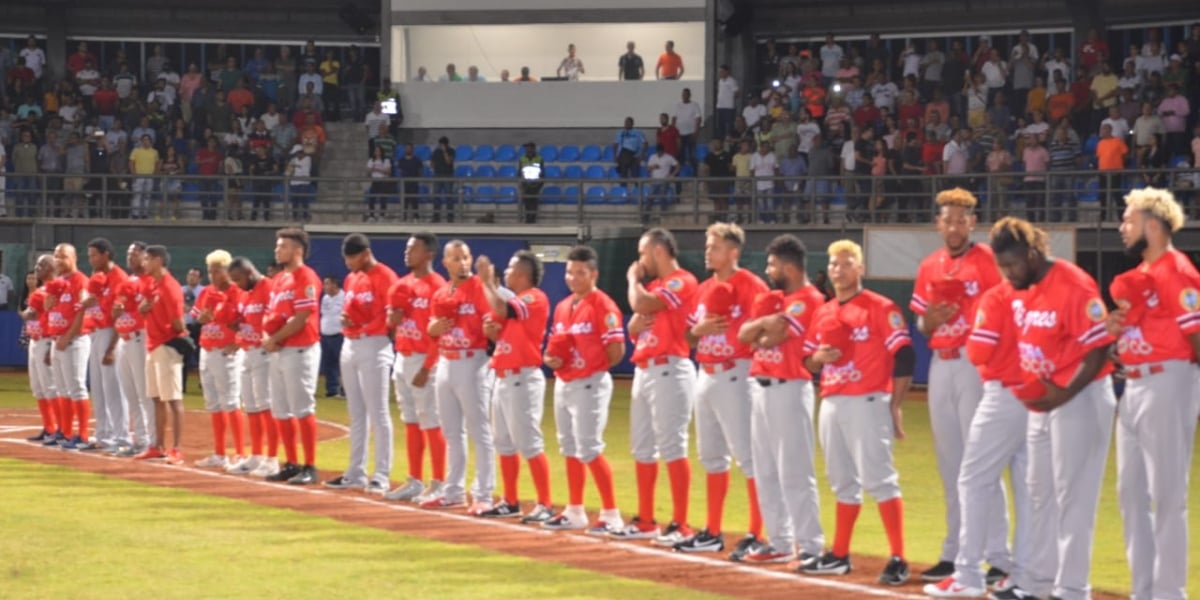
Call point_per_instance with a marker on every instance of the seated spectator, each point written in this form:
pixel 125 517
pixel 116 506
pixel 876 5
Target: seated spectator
pixel 451 74
pixel 867 115
pixel 272 117
pixel 311 100
pixel 145 129
pixel 422 75
pixel 300 117
pixel 525 76
pixel 936 129
pixel 284 138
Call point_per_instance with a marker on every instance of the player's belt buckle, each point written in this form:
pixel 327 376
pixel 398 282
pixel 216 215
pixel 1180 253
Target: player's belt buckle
pixel 653 362
pixel 502 373
pixel 459 354
pixel 716 368
pixel 770 381
pixel 1141 371
pixel 950 354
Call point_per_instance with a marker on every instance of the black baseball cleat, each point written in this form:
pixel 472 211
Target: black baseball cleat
pixel 895 573
pixel 938 572
pixel 995 576
pixel 41 437
pixel 745 546
pixel 286 472
pixel 1011 593
pixel 703 541
pixel 307 476
pixel 829 564
pixel 502 510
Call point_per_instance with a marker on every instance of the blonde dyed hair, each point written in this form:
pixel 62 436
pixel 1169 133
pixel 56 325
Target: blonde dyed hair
pixel 1010 232
pixel 1158 202
pixel 957 197
pixel 219 258
pixel 730 232
pixel 847 247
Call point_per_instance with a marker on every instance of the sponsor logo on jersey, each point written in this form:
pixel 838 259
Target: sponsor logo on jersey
pixel 714 345
pixel 956 329
pixel 580 328
pixel 972 288
pixel 420 303
pixel 1134 342
pixel 1034 361
pixel 840 374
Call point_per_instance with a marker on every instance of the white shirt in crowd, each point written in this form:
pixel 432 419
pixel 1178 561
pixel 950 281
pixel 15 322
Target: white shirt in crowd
pixel 764 166
pixel 6 288
pixel 753 114
pixel 884 95
pixel 1120 127
pixel 88 80
pixel 687 117
pixel 35 59
pixel 954 156
pixel 994 73
pixel 848 156
pixel 373 121
pixel 301 167
pixel 379 168
pixel 1039 129
pixel 660 165
pixel 1053 65
pixel 912 62
pixel 313 78
pixel 270 120
pixel 831 60
pixel 727 89
pixel 1130 82
pixel 331 313
pixel 805 132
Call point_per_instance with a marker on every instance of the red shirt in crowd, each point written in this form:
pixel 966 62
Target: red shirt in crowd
pixel 221 331
pixel 721 347
pixel 593 322
pixel 669 138
pixel 878 331
pixel 166 305
pixel 1173 314
pixel 931 155
pixel 208 162
pixel 296 291
pixel 467 332
pixel 668 335
pixel 76 61
pixel 239 98
pixel 252 306
pixel 1091 52
pixel 1059 320
pixel 910 111
pixel 300 121
pixel 366 301
pixel 866 116
pixel 413 296
pixel 23 74
pixel 786 361
pixel 100 315
pixel 524 329
pixel 105 101
pixel 977 271
pixel 992 345
pixel 67 304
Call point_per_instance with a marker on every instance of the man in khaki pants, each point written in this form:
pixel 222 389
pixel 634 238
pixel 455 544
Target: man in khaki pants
pixel 163 309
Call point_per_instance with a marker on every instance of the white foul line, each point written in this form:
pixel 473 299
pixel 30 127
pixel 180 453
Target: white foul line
pixel 647 551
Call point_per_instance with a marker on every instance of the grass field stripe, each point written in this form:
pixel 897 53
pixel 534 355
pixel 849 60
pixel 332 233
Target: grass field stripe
pixel 525 530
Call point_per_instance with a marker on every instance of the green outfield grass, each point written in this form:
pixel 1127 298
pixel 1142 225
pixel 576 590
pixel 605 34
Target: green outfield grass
pixel 111 538
pixel 914 457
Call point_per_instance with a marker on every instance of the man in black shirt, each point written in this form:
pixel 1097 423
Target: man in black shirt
pixel 443 189
pixel 262 164
pixel 719 163
pixel 630 66
pixel 99 202
pixel 911 165
pixel 864 153
pixel 410 168
pixel 353 78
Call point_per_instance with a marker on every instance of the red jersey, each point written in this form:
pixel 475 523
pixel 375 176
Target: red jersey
pixel 520 341
pixel 977 271
pixel 67 305
pixel 296 291
pixel 668 335
pixel 721 347
pixel 130 296
pixel 786 361
pixel 992 345
pixel 35 328
pixel 1059 320
pixel 1173 314
pixel 593 322
pixel 467 333
pixel 166 305
pixel 366 301
pixel 112 281
pixel 878 330
pixel 221 331
pixel 252 306
pixel 413 297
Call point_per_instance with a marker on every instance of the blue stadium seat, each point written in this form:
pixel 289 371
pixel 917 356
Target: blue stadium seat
pixel 595 172
pixel 484 194
pixel 570 195
pixel 192 168
pixel 1089 147
pixel 551 194
pixel 573 172
pixel 508 172
pixel 191 192
pixel 553 172
pixel 1180 162
pixel 464 171
pixel 484 153
pixel 549 152
pixel 424 192
pixel 595 195
pixel 617 194
pixel 422 152
pixel 507 195
pixel 427 171
pixel 608 154
pixel 463 152
pixel 612 173
pixel 506 154
pixel 591 153
pixel 701 151
pixel 687 171
pixel 486 171
pixel 568 154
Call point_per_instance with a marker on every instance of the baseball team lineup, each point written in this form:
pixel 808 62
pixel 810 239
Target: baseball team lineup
pixel 1024 353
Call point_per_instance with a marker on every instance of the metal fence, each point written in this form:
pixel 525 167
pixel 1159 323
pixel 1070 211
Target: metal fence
pixel 1079 197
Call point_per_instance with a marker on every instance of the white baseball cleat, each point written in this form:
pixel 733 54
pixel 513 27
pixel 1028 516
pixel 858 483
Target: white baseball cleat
pixel 433 491
pixel 951 588
pixel 245 466
pixel 405 493
pixel 215 461
pixel 267 468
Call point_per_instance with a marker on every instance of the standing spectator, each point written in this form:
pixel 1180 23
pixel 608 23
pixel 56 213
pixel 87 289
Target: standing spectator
pixel 831 55
pixel 1056 65
pixel 283 139
pixel 272 117
pixel 530 170
pixel 383 140
pixel 171 168
pixel 1174 111
pixel 525 76
pixel 77 61
pixel 793 167
pixel 1144 129
pixel 955 73
pixel 744 184
pixel 232 169
pixel 727 91
pixel 300 187
pixel 313 78
pixel 1104 94
pixel 932 65
pixel 1023 61
pixel 254 67
pixel 910 62
pixel 687 119
pixel 630 66
pixel 125 82
pixel 755 112
pixel 862 155
pixel 1120 127
pixel 144 164
pixel 88 80
pixel 670 64
pixel 410 169
pixel 667 135
pixel 1111 154
pixel 956 156
pixel 1035 98
pixel 451 74
pixel 379 171
pixel 1037 160
pixel 764 167
pixel 876 51
pixel 663 168
pixel 50 164
pixel 1093 52
pixel 220 115
pixel 718 166
pixel 34 57
pixel 571 66
pixel 375 119
pixel 105 103
pixel 154 64
pixel 999 164
pixel 332 303
pixel 995 74
pixel 262 165
pixel 76 159
pixel 442 163
pixel 240 97
pixel 820 177
pixel 208 164
pixel 806 130
pixel 976 91
pixel 883 93
pixel 229 76
pixel 629 150
pixel 354 79
pixel 272 89
pixel 999 116
pixel 331 70
pixel 1065 155
pixel 285 66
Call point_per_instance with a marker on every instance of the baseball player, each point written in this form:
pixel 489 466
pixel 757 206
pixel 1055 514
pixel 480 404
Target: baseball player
pixel 255 375
pixel 66 323
pixel 866 359
pixel 723 384
pixel 366 364
pixel 782 403
pixel 41 381
pixel 949 283
pixel 112 410
pixel 166 347
pixel 459 385
pixel 588 339
pixel 131 351
pixel 663 383
pixel 1158 340
pixel 216 309
pixel 996 440
pixel 518 327
pixel 409 303
pixel 1060 324
pixel 293 340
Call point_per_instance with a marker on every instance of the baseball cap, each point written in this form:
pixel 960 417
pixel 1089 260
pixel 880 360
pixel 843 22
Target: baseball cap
pixel 834 332
pixel 948 290
pixel 719 299
pixel 767 303
pixel 560 346
pixel 1135 287
pixel 1030 390
pixel 446 307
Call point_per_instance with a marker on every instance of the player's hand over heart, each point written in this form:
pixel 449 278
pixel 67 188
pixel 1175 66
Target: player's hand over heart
pixel 937 314
pixel 90 300
pixel 491 329
pixel 206 317
pixel 439 326
pixel 50 302
pixel 394 316
pixel 555 363
pixel 145 307
pixel 1114 324
pixel 711 325
pixel 827 355
pixel 640 323
pixel 1054 398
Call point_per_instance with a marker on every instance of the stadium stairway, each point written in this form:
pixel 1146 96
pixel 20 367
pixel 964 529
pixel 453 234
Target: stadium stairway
pixel 345 156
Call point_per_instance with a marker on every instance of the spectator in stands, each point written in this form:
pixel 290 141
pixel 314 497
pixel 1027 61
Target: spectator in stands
pixel 629 150
pixel 330 91
pixel 931 66
pixel 379 171
pixel 670 64
pixel 422 75
pixel 285 66
pixel 718 165
pixel 1093 52
pixel 571 66
pixel 999 115
pixel 744 182
pixel 270 86
pixel 25 169
pixel 1111 154
pixel 143 163
pixel 754 112
pixel 995 74
pixel 727 91
pixel 1156 160
pixel 354 80
pixel 525 76
pixel 1037 161
pixel 77 61
pixel 284 137
pixel 208 164
pixel 529 169
pixel 383 139
pixel 3 179
pixel 831 58
pixel 442 163
pixel 1144 129
pixel 473 75
pixel 1174 111
pixel 505 76
pixel 1104 92
pixel 1065 156
pixel 75 168
pixel 410 169
pixel 34 57
pixel 240 97
pixel 311 81
pixel 667 135
pixel 50 158
pixel 451 74
pixel 258 136
pixel 272 118
pixel 630 66
pixel 300 186
pixel 261 165
pixel 663 168
pixel 171 186
pixel 793 167
pixel 688 119
pixel 764 167
pixel 1120 127
pixel 232 169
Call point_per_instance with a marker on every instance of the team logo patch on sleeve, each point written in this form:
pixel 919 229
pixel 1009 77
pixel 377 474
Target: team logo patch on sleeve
pixel 675 284
pixel 1095 310
pixel 795 309
pixel 612 321
pixel 527 298
pixel 895 320
pixel 310 291
pixel 1190 299
pixel 980 318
